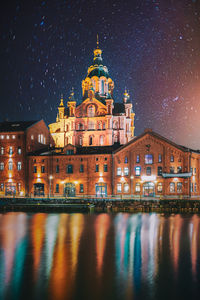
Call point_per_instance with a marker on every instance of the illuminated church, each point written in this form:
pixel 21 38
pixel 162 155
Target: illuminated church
pixel 98 120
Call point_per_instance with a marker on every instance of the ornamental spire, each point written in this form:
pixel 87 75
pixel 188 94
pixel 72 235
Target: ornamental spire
pixel 61 100
pixel 97 41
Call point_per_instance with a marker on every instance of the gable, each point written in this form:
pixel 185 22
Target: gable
pixel 82 109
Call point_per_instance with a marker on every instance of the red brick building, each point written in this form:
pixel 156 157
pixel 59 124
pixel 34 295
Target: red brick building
pixel 148 166
pixel 16 140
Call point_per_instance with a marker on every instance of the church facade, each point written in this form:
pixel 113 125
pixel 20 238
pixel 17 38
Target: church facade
pixel 98 120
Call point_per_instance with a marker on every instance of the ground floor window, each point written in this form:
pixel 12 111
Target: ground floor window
pixel 172 187
pixel 191 187
pixel 1 187
pixel 179 187
pixel 69 189
pixel 38 189
pixel 19 187
pixel 101 189
pixel 119 187
pixel 81 188
pixel 126 188
pixel 57 188
pixel 159 187
pixel 10 189
pixel 137 187
pixel 195 187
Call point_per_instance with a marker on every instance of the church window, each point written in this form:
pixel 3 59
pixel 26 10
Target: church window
pixel 104 125
pixel 91 111
pixel 91 125
pixel 80 140
pixel 102 86
pixel 115 125
pixel 101 140
pixel 10 166
pixel 90 140
pixel 126 160
pixel 80 126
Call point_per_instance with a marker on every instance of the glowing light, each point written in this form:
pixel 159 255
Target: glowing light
pixel 10 175
pixel 148 178
pixel 75 182
pixel 50 177
pixel 132 176
pixel 175 179
pixel 122 179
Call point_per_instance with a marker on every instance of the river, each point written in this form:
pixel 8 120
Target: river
pixel 99 256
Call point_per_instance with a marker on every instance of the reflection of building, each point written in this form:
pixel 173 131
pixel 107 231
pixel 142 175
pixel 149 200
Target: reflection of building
pixel 16 140
pixel 98 120
pixel 147 166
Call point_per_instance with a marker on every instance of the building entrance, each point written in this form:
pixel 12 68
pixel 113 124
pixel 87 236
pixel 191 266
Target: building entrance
pixel 149 189
pixel 101 190
pixel 10 189
pixel 38 189
pixel 69 189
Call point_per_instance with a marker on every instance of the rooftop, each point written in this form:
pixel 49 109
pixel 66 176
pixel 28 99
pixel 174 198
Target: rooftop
pixel 15 126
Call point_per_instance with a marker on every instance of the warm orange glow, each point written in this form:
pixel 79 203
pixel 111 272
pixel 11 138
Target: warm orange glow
pixel 102 225
pixel 194 242
pixel 175 233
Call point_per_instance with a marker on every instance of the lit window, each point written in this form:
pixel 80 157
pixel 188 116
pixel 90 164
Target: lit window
pixel 101 140
pixel 195 171
pixel 2 136
pixel 80 140
pixel 172 170
pixel 126 160
pixel 159 171
pixel 148 170
pixel 32 137
pixel 10 150
pixel 2 187
pixel 13 137
pixel 119 171
pixel 172 158
pixel 148 159
pixel 159 158
pixel 81 188
pixel 126 188
pixel 172 187
pixel 104 125
pixel 137 158
pixel 91 125
pixel 7 137
pixel 19 150
pixel 19 165
pixel 2 150
pixel 191 187
pixel 1 166
pixel 91 111
pixel 19 187
pixel 179 169
pixel 137 187
pixel 126 171
pixel 44 140
pixel 179 187
pixel 137 171
pixel 119 188
pixel 39 138
pixel 195 187
pixel 159 187
pixel 10 166
pixel 69 169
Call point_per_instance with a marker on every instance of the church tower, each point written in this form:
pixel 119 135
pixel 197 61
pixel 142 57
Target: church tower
pixel 97 120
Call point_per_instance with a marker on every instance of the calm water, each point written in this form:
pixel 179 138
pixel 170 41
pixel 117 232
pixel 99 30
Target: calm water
pixel 100 256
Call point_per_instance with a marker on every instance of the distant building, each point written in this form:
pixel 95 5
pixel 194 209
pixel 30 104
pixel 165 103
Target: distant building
pixel 17 139
pixel 98 120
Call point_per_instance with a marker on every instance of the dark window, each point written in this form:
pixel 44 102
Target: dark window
pixel 179 187
pixel 81 168
pixel 35 169
pixel 148 159
pixel 105 158
pixel 148 170
pixel 159 171
pixel 159 158
pixel 43 160
pixel 57 169
pixel 97 159
pixel 105 168
pixel 69 169
pixel 90 140
pixel 81 188
pixel 137 158
pixel 126 160
pixel 172 158
pixel 179 169
pixel 10 150
pixel 42 169
pixel 70 152
pixel 97 168
pixel 57 188
pixel 81 159
pixel 57 160
pixel 172 170
pixel 137 171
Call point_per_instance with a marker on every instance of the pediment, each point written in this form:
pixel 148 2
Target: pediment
pixel 82 109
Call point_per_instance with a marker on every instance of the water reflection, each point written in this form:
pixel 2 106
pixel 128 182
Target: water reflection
pixel 129 256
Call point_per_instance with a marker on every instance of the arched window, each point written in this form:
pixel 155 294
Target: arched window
pixel 80 126
pixel 126 160
pixel 66 141
pixel 90 140
pixel 104 125
pixel 102 86
pixel 91 111
pixel 115 125
pixel 91 125
pixel 115 138
pixel 80 140
pixel 100 125
pixel 101 140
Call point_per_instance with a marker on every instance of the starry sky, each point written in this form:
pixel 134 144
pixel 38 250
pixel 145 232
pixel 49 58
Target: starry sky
pixel 150 47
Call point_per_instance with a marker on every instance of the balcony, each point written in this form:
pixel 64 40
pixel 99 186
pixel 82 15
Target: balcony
pixel 177 175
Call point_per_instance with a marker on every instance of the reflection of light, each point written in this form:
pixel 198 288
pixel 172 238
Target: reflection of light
pixel 194 242
pixel 175 232
pixel 146 177
pixel 76 228
pixel 102 225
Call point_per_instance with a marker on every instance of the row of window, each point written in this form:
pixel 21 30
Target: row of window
pixel 149 159
pixel 2 187
pixel 69 169
pixel 81 188
pixel 137 171
pixel 11 150
pixel 13 136
pixel 10 166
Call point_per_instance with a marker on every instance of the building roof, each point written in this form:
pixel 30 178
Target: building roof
pixel 158 136
pixel 15 126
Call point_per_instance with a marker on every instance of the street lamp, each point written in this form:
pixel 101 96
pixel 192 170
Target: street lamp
pixel 50 179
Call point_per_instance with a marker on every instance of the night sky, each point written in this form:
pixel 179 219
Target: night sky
pixel 150 47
